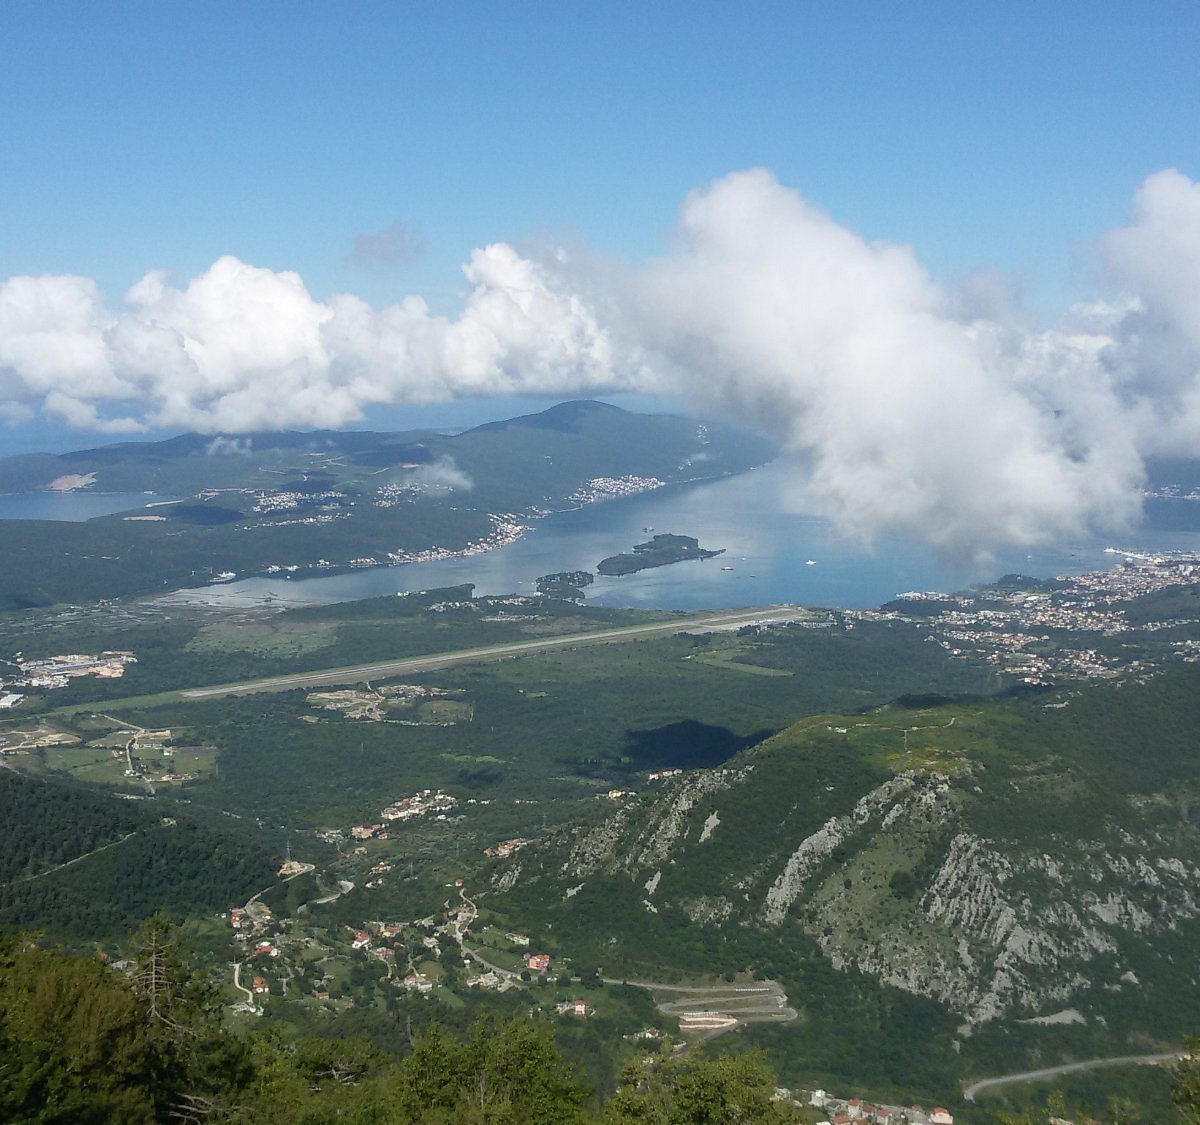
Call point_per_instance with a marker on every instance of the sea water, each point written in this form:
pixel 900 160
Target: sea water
pixel 73 507
pixel 772 555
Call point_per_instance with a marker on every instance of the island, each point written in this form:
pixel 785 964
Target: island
pixel 659 551
pixel 565 583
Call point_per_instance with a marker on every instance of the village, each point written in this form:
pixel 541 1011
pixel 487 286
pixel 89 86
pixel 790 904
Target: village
pixel 291 957
pixel 857 1111
pixel 1021 632
pixel 599 489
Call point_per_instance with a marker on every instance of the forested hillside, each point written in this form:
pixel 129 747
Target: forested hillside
pixel 88 867
pixel 1031 860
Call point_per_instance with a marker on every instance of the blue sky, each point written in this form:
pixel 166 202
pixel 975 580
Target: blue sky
pixel 140 136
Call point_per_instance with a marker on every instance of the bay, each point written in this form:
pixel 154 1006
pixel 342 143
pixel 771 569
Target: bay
pixel 72 507
pixel 771 556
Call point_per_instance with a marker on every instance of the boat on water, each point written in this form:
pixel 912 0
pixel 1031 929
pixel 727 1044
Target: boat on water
pixel 726 568
pixel 810 562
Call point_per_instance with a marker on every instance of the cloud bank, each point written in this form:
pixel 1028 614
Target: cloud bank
pixel 918 410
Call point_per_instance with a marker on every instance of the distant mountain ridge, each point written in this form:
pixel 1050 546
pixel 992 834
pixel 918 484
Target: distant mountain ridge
pixel 565 417
pixel 293 500
pixel 131 465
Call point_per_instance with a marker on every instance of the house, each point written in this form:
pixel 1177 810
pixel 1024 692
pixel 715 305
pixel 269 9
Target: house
pixel 258 986
pixel 579 1008
pixel 488 980
pixel 538 962
pixel 940 1116
pixel 516 939
pixel 362 940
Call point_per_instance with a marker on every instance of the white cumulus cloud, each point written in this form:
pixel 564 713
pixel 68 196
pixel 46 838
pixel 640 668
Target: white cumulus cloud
pixel 936 413
pixel 910 418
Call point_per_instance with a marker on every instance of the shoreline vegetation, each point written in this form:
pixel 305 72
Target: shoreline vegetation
pixel 662 550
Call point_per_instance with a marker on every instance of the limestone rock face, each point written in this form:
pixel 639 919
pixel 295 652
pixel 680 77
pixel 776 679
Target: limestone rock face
pixel 641 836
pixel 1015 884
pixel 818 847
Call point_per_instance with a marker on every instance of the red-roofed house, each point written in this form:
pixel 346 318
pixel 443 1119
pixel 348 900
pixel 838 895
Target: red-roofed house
pixel 538 962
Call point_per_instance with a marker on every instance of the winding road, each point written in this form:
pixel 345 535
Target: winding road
pixel 1068 1068
pixel 761 1002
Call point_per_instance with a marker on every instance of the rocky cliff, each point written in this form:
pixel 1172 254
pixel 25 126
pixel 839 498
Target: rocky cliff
pixel 1021 860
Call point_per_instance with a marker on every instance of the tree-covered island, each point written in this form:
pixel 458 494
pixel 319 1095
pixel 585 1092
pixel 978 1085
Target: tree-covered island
pixel 659 551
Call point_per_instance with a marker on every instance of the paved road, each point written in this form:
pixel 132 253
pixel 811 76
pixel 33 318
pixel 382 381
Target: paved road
pixel 1067 1068
pixel 237 982
pixel 761 1002
pixel 359 672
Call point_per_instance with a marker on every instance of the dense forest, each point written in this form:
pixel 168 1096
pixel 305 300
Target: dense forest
pixel 88 866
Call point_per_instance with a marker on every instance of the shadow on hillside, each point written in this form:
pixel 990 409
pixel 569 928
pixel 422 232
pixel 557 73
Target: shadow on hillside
pixel 685 745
